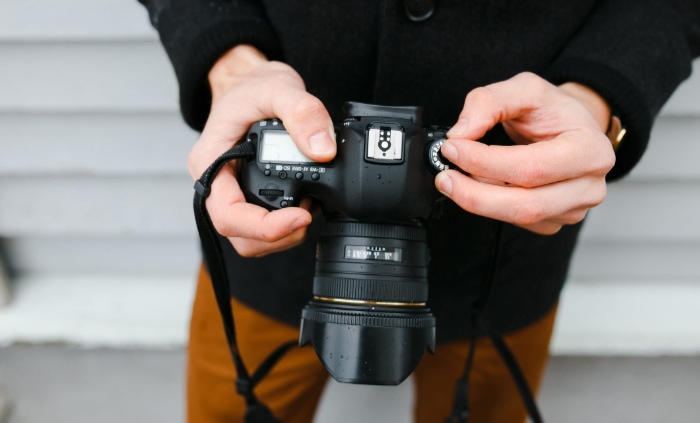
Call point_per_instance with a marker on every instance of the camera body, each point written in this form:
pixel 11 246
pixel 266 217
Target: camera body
pixel 368 320
pixel 383 171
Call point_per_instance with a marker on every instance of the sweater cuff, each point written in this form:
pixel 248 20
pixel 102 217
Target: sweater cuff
pixel 625 100
pixel 194 65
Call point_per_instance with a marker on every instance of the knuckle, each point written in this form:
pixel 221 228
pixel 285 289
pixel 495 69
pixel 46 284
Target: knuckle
pixel 532 175
pixel 574 217
pixel 551 230
pixel 222 227
pixel 527 214
pixel 280 79
pixel 578 217
pixel 265 236
pixel 605 159
pixel 296 238
pixel 528 78
pixel 531 80
pixel 464 198
pixel 245 249
pixel 536 85
pixel 598 195
pixel 308 108
pixel 608 162
pixel 480 96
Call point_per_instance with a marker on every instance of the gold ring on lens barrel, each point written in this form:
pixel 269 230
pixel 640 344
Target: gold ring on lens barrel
pixel 372 303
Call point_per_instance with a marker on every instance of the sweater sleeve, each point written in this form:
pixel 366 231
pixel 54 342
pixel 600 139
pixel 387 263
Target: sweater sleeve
pixel 634 53
pixel 195 34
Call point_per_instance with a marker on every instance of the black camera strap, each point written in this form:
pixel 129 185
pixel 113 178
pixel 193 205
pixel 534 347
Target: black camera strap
pixel 256 412
pixel 460 409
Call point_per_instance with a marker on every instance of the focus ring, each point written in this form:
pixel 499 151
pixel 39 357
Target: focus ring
pixel 371 289
pixel 406 233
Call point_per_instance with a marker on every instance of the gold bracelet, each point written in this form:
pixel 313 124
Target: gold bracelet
pixel 616 132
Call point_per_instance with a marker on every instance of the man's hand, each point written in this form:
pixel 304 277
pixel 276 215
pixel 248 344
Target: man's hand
pixel 554 174
pixel 246 88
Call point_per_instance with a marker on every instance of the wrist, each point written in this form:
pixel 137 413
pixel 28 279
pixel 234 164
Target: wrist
pixel 232 66
pixel 597 105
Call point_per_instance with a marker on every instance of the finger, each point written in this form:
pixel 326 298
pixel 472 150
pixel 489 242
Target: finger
pixel 521 206
pixel 252 248
pixel 233 217
pixel 581 152
pixel 484 107
pixel 552 226
pixel 543 228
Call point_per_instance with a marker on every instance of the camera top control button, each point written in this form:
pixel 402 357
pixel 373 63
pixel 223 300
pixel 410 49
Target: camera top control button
pixel 315 176
pixel 267 172
pixel 283 175
pixel 284 203
pixel 299 176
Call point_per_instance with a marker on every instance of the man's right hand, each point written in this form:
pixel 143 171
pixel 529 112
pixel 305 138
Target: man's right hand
pixel 246 88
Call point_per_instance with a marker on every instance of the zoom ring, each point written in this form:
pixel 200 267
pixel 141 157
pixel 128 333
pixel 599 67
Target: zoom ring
pixel 371 289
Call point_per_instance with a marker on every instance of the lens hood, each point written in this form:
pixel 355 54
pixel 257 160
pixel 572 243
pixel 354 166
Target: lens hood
pixel 373 346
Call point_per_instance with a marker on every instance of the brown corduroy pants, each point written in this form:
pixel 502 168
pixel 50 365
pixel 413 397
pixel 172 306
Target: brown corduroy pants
pixel 294 386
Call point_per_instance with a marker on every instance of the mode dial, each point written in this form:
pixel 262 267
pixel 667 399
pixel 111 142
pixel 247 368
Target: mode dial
pixel 436 162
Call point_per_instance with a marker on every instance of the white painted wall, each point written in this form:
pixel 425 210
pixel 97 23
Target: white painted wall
pixel 93 187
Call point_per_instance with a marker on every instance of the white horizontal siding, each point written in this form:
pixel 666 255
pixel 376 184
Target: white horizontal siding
pixel 640 260
pixel 105 255
pixel 96 206
pixel 684 102
pixel 673 150
pixel 91 20
pixel 86 77
pixel 94 144
pixel 647 211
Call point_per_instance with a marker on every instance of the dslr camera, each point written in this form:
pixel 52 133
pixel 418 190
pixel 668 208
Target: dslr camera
pixel 368 320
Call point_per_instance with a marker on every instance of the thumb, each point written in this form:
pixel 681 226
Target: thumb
pixel 309 124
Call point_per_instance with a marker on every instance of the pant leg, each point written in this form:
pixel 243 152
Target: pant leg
pixel 291 390
pixel 494 397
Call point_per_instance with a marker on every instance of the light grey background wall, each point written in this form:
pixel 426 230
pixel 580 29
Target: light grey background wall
pixel 95 199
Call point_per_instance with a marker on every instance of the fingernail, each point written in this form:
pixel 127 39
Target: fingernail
pixel 449 151
pixel 299 223
pixel 443 181
pixel 459 129
pixel 322 144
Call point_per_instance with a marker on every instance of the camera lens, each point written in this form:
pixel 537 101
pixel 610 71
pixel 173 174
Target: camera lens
pixel 368 321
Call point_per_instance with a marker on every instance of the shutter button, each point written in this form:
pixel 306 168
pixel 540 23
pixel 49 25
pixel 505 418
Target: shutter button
pixel 419 10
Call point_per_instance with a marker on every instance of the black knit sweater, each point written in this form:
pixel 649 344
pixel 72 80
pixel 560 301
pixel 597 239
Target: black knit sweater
pixel 633 52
